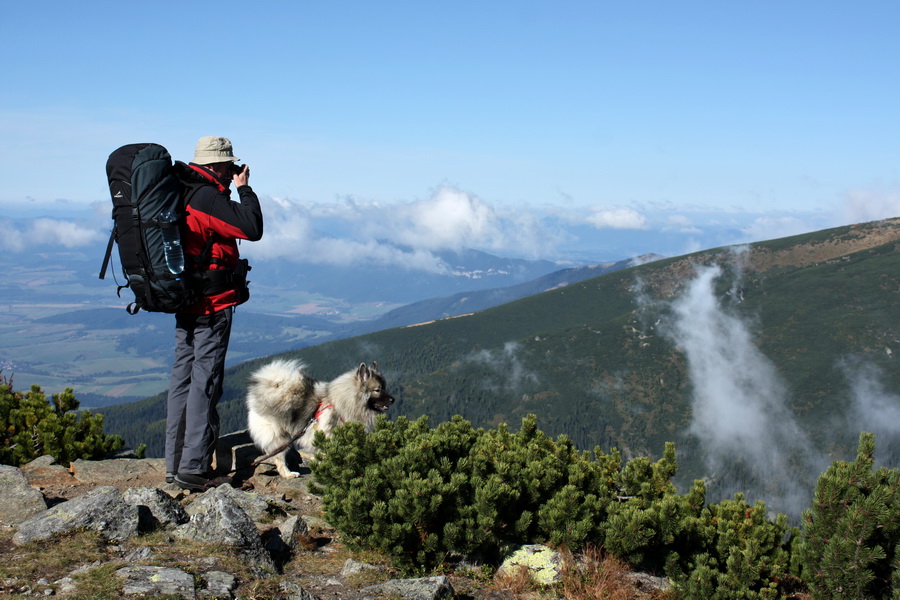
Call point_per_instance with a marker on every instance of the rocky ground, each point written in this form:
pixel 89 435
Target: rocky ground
pixel 320 546
pixel 317 565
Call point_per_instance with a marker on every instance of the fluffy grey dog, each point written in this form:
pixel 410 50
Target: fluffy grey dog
pixel 283 402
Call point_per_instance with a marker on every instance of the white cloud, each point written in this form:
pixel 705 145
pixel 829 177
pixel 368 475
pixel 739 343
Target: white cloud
pixel 407 235
pixel 503 369
pixel 617 218
pixel 681 224
pixel 291 233
pixel 874 407
pixel 860 206
pixel 412 234
pixel 770 228
pixel 451 219
pixel 46 232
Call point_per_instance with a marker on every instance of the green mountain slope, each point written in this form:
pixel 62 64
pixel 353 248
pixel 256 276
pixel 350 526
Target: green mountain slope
pixel 793 326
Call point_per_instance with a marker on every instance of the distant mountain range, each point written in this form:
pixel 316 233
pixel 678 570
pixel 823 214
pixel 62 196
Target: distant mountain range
pixel 475 300
pixel 762 362
pixel 63 327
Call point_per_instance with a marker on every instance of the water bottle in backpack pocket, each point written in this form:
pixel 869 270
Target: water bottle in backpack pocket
pixel 168 225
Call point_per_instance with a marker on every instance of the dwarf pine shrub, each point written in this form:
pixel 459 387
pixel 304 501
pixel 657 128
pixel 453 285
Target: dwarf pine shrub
pixel 850 544
pixel 423 495
pixel 737 553
pixel 31 427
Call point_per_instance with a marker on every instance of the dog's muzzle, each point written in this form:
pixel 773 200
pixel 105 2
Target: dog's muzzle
pixel 381 403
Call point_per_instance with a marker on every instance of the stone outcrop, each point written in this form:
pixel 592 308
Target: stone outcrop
pixel 102 510
pixel 20 500
pixel 156 509
pixel 426 588
pixel 219 519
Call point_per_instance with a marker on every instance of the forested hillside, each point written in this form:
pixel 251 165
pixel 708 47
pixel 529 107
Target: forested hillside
pixel 761 363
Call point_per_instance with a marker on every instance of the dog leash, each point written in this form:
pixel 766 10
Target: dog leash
pixel 322 408
pixel 282 447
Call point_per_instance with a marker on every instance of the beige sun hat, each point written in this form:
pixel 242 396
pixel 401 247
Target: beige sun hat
pixel 211 149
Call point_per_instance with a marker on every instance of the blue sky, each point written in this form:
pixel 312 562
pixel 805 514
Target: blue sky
pixel 536 128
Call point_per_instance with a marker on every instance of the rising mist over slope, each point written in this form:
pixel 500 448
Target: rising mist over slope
pixel 762 362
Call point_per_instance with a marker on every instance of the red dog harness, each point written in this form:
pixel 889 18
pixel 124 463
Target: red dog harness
pixel 322 408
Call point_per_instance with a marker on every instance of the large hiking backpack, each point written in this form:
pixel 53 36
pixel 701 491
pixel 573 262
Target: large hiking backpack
pixel 142 185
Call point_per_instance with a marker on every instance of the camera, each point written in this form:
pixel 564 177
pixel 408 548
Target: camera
pixel 235 168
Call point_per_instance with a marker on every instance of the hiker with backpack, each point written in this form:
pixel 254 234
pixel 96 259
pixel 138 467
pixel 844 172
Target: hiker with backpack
pixel 177 230
pixel 212 226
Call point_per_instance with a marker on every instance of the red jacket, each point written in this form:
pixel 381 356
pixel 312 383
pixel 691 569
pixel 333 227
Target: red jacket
pixel 212 215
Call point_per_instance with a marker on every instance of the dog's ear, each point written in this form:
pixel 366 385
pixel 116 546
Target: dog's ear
pixel 374 367
pixel 362 372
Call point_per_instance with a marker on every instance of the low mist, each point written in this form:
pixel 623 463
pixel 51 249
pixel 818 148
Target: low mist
pixel 872 408
pixel 749 437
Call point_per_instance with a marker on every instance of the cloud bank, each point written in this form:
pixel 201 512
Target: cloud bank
pixel 412 234
pixel 47 233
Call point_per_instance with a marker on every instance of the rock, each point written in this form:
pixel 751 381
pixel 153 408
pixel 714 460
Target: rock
pixel 217 584
pixel 235 451
pixel 18 500
pixel 283 538
pixel 295 592
pixel 155 508
pixel 44 471
pixel 292 528
pixel 139 554
pixel 102 510
pixel 86 568
pixel 66 585
pixel 121 453
pixel 542 562
pixel 42 462
pixel 151 581
pixel 425 588
pixel 354 567
pixel 250 502
pixel 219 519
pixel 649 583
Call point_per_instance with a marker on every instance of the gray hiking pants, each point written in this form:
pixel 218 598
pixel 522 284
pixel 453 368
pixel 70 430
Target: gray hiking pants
pixel 195 386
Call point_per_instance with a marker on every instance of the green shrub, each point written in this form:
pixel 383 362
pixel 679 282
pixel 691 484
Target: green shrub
pixel 850 546
pixel 737 553
pixel 31 427
pixel 645 523
pixel 423 495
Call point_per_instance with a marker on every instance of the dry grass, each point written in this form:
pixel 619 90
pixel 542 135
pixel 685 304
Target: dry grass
pixel 517 582
pixel 597 575
pixel 593 575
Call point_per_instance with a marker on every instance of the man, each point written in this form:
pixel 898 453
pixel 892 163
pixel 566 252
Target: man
pixel 213 224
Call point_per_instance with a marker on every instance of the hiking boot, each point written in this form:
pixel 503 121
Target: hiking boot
pixel 198 483
pixel 217 481
pixel 194 483
pixel 170 477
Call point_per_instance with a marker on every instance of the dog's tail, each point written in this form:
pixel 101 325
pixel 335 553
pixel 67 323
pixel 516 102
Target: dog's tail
pixel 279 387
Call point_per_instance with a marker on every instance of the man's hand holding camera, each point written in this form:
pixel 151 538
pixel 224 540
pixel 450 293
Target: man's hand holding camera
pixel 240 174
